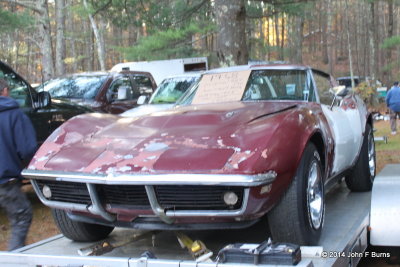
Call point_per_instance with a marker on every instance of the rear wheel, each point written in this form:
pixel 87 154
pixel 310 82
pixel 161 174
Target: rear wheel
pixel 79 231
pixel 298 217
pixel 362 176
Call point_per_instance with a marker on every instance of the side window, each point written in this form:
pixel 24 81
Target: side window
pixel 323 87
pixel 143 84
pixel 19 90
pixel 122 89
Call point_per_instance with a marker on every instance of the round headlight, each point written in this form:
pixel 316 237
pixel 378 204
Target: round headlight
pixel 46 191
pixel 230 198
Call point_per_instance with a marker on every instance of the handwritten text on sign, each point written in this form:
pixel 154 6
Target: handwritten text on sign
pixel 221 87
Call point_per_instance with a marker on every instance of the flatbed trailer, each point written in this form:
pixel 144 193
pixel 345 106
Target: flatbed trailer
pixel 343 241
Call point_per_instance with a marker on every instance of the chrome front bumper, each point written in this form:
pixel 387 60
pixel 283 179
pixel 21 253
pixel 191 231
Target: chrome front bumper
pixel 149 181
pixel 154 179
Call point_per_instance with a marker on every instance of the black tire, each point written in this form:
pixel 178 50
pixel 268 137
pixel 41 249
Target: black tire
pixel 291 220
pixel 79 231
pixel 362 176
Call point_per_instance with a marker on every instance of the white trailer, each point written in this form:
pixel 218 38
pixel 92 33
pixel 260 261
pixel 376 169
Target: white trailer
pixel 385 208
pixel 343 242
pixel 160 69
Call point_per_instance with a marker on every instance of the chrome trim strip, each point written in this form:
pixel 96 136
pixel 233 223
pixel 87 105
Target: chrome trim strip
pixel 155 179
pixel 96 207
pixel 212 213
pixel 155 206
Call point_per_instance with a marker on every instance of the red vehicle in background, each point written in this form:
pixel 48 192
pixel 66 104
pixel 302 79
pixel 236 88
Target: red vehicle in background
pixel 108 92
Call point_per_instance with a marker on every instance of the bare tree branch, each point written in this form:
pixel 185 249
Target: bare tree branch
pixel 191 11
pixel 104 7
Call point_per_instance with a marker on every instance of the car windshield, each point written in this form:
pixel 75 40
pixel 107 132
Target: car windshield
pixel 277 85
pixel 74 87
pixel 171 89
pixel 280 84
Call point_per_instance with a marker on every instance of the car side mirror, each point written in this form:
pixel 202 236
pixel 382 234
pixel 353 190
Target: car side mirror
pixel 338 92
pixel 43 100
pixel 142 100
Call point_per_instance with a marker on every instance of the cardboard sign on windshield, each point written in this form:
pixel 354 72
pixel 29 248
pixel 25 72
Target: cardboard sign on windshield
pixel 221 87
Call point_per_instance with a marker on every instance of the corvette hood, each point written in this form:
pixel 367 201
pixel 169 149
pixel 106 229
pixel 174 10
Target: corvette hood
pixel 197 139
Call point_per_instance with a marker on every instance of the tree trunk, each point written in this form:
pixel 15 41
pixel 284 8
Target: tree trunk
pixel 298 44
pixel 281 51
pixel 60 41
pixel 277 35
pixel 87 49
pixel 387 75
pixel 324 34
pixel 45 40
pixel 231 24
pixel 329 39
pixel 268 41
pixel 71 41
pixel 98 38
pixel 372 41
pixel 349 44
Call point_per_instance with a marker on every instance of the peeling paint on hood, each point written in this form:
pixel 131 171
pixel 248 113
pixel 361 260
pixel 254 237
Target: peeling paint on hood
pixel 202 138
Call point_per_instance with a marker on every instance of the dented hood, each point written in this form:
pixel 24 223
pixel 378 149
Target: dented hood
pixel 213 138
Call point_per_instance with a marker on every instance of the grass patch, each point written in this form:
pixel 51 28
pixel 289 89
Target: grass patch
pixel 386 153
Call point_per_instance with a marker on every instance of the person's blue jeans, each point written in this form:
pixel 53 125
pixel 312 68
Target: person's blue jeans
pixel 393 120
pixel 19 212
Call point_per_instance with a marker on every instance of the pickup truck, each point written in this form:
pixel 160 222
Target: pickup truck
pixel 107 92
pixel 46 114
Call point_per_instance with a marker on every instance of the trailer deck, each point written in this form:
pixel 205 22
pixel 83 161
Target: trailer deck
pixel 343 240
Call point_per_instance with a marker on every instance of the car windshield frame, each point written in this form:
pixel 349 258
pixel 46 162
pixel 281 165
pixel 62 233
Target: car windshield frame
pixel 81 86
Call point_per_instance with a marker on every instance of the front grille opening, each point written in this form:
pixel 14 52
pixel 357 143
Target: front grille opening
pixel 69 192
pixel 188 197
pixel 124 195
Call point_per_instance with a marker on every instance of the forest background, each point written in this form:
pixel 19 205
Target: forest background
pixel 42 39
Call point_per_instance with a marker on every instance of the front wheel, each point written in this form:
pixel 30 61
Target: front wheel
pixel 79 231
pixel 298 217
pixel 362 176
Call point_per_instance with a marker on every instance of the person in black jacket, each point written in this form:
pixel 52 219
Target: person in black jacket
pixel 17 143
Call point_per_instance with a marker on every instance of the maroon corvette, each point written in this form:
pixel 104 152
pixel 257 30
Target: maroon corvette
pixel 255 141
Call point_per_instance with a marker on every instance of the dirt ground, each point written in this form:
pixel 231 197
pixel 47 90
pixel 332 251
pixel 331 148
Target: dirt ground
pixel 43 226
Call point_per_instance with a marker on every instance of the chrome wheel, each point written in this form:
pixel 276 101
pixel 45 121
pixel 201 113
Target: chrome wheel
pixel 315 198
pixel 371 154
